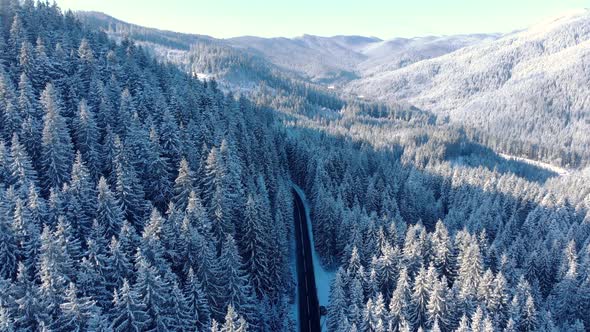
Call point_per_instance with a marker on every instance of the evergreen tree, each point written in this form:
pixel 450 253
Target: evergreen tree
pixel 75 312
pixel 57 153
pixel 129 312
pixel 338 304
pixel 108 213
pixel 82 190
pixel 129 189
pixel 233 322
pixel 153 291
pixel 438 307
pixel 8 248
pixel 86 138
pixel 256 253
pixel 235 286
pixel 198 306
pixel 183 185
pixel 419 299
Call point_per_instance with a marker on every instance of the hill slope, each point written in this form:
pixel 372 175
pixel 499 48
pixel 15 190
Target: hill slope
pixel 532 85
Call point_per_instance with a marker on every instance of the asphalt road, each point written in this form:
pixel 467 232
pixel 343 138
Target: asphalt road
pixel 309 309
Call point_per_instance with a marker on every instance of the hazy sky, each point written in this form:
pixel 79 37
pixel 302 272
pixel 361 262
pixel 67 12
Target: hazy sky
pixel 289 18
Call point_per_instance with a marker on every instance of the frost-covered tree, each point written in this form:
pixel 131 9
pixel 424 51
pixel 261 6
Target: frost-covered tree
pixel 57 150
pixel 129 312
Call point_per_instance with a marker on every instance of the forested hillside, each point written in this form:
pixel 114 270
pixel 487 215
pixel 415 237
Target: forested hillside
pixel 137 197
pixel 527 92
pixel 133 197
pixel 421 242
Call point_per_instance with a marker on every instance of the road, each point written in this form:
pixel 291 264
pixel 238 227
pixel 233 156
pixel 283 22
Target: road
pixel 309 309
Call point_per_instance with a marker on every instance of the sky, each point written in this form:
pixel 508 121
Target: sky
pixel 289 18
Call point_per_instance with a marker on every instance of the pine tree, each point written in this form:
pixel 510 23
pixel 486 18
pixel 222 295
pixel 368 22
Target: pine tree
pixel 7 105
pixel 44 69
pixel 30 310
pixel 92 277
pixel 419 299
pixel 338 304
pixel 181 318
pixel 256 240
pixel 129 312
pixel 85 65
pixel 81 189
pixel 387 268
pixel 75 311
pixel 529 316
pixel 119 262
pixel 32 125
pixel 158 188
pixel 54 270
pixel 153 291
pixel 463 325
pixel 108 213
pixel 233 322
pixel 198 306
pixel 477 320
pixel 183 185
pixel 8 247
pixel 442 251
pixel 169 139
pixel 17 36
pixel 469 274
pixel 235 287
pixel 6 322
pixel 152 248
pixel 57 153
pixel 438 305
pixel 86 138
pixel 129 189
pixel 400 300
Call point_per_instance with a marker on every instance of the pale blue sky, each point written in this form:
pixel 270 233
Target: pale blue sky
pixel 289 18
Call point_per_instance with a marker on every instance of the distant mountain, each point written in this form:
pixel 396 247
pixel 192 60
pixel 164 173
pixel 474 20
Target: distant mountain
pixel 532 85
pixel 340 59
pixel 400 52
pixel 319 59
pixel 330 61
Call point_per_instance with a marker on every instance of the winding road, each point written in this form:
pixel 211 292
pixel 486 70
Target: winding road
pixel 309 309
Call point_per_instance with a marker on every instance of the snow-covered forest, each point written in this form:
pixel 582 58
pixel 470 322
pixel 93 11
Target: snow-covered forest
pixel 122 183
pixel 136 197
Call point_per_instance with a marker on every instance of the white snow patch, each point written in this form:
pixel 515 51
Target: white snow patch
pixel 202 76
pixel 323 277
pixel 556 169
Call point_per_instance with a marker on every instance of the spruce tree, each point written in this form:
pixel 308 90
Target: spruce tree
pixel 75 311
pixel 183 185
pixel 57 151
pixel 197 303
pixel 235 288
pixel 129 312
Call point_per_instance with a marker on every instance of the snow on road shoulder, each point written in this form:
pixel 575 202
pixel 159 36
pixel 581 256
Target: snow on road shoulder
pixel 556 169
pixel 323 277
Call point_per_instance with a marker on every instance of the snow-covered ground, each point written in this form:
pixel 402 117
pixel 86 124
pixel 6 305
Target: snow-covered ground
pixel 323 277
pixel 556 169
pixel 202 76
